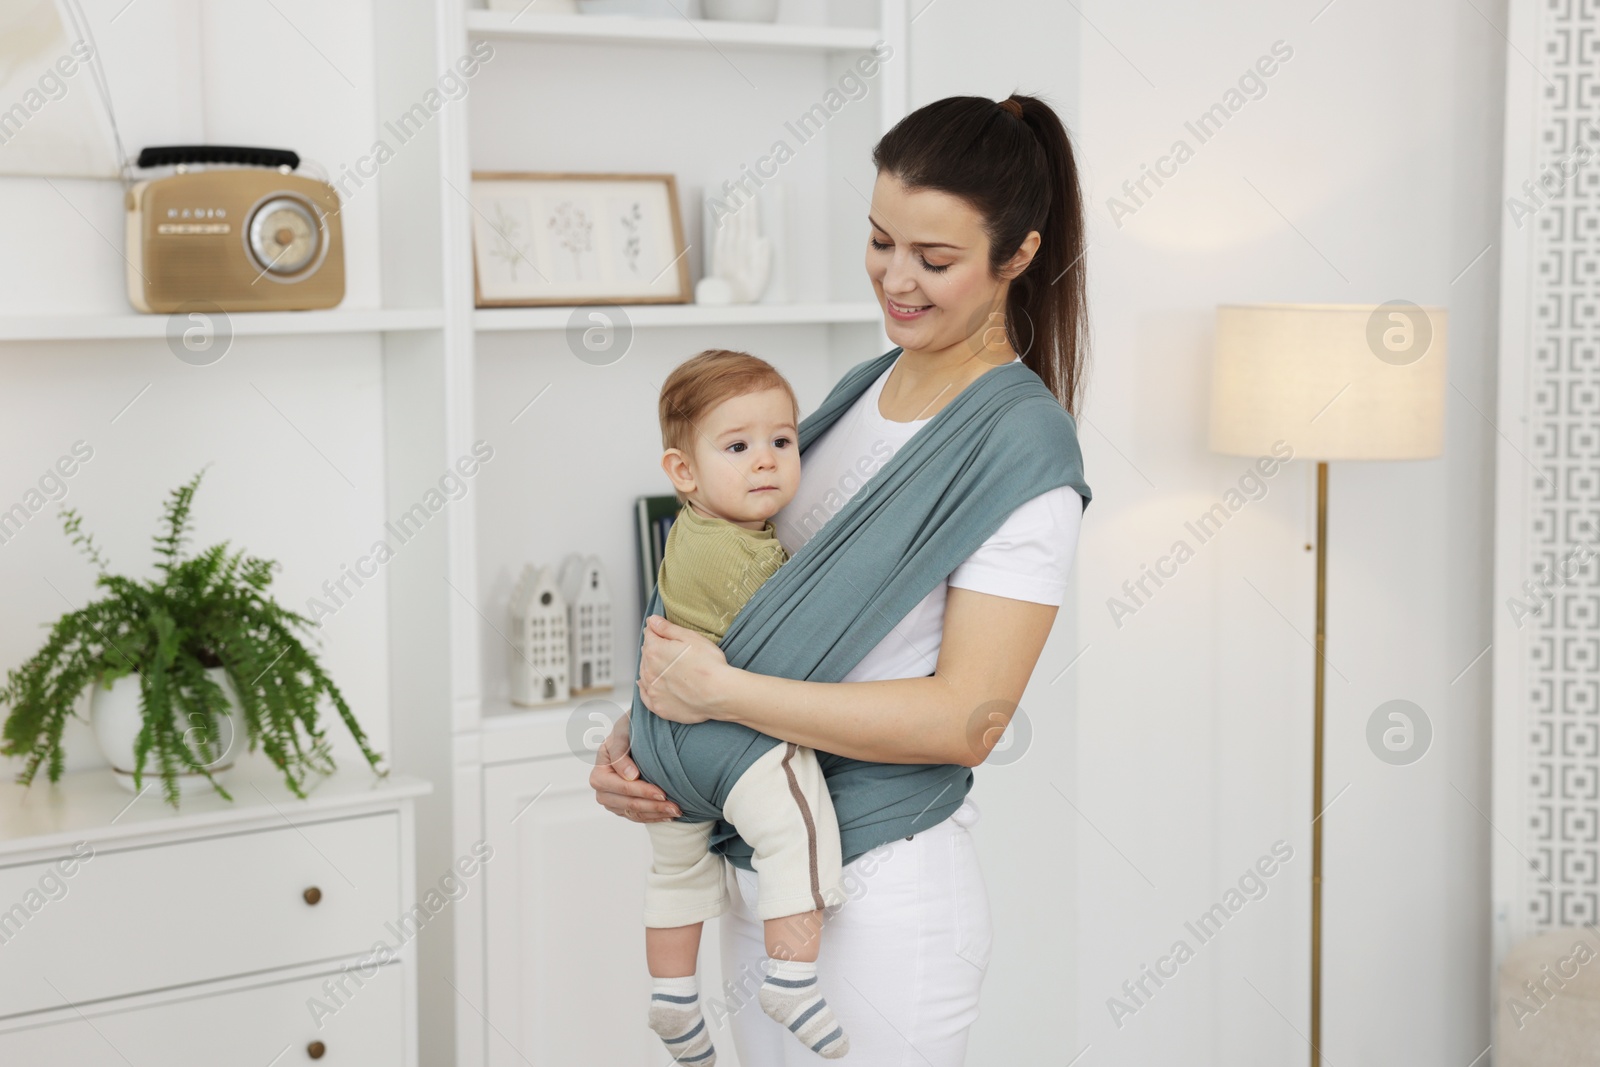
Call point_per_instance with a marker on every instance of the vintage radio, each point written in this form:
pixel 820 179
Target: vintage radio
pixel 250 236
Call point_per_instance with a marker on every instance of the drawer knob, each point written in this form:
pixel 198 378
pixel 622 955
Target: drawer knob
pixel 316 1049
pixel 313 895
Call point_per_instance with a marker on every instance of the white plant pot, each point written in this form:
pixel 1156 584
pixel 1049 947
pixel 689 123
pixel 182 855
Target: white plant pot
pixel 742 10
pixel 117 719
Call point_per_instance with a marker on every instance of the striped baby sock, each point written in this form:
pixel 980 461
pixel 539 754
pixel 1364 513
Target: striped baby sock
pixel 790 995
pixel 676 1019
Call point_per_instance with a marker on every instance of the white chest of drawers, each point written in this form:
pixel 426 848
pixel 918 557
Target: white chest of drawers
pixel 269 930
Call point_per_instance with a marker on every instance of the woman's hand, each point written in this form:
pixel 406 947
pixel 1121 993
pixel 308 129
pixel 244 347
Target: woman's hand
pixel 680 672
pixel 618 787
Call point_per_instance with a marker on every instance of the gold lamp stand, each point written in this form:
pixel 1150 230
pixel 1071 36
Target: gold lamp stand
pixel 1316 766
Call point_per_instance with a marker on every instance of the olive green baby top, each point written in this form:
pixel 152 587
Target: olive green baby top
pixel 710 567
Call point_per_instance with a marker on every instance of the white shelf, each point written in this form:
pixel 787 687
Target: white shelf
pixel 625 29
pixel 557 318
pixel 243 323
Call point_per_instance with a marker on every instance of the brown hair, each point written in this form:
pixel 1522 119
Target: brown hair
pixel 1013 162
pixel 703 381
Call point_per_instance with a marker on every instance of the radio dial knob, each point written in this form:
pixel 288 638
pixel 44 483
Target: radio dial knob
pixel 284 236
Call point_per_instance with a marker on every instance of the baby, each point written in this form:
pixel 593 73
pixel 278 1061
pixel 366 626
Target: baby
pixel 729 430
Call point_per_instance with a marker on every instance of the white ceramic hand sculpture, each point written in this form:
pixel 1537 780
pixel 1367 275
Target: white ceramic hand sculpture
pixel 743 257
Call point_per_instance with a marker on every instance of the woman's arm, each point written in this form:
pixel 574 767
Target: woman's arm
pixel 988 649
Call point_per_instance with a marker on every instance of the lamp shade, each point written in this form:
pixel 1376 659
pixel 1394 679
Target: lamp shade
pixel 1333 381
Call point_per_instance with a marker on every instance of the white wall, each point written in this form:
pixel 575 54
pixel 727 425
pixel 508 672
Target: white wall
pixel 1368 171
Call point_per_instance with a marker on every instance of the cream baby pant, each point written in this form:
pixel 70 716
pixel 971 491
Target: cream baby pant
pixel 780 806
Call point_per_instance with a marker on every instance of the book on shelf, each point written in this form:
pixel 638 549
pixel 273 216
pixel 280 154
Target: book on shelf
pixel 653 517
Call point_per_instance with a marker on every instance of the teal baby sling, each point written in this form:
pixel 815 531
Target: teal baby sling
pixel 1002 441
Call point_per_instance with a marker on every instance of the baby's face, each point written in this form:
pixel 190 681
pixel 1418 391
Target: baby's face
pixel 746 459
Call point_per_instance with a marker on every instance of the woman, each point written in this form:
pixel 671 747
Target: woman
pixel 975 253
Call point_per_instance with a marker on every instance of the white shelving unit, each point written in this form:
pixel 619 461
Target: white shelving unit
pixel 703 101
pixel 396 388
pixel 322 425
pixel 634 95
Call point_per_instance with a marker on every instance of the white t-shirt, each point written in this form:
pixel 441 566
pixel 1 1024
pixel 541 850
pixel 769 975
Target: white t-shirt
pixel 1027 558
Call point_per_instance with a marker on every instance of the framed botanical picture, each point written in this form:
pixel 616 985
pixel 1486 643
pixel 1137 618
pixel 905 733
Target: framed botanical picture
pixel 577 239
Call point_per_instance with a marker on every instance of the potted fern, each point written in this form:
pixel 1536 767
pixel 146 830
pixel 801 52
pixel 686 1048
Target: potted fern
pixel 181 665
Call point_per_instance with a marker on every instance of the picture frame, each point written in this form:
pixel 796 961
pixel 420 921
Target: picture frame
pixel 542 239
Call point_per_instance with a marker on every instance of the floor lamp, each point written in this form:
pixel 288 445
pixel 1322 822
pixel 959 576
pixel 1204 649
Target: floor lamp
pixel 1332 381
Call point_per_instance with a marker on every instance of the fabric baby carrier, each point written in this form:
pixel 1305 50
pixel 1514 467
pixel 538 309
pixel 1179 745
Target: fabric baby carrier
pixel 1003 440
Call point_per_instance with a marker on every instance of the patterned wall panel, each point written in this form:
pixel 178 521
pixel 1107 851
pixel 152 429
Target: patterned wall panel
pixel 1560 837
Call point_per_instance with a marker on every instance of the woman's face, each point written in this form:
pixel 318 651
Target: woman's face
pixel 928 258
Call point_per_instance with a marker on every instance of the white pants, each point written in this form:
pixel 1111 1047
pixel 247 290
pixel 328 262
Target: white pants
pixel 902 958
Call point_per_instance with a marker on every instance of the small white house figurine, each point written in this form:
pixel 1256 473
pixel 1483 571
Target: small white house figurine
pixel 588 597
pixel 539 670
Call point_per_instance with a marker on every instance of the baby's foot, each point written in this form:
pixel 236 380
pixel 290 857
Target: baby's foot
pixel 790 995
pixel 675 1017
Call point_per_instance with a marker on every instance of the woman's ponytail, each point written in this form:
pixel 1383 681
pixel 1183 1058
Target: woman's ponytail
pixel 1013 162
